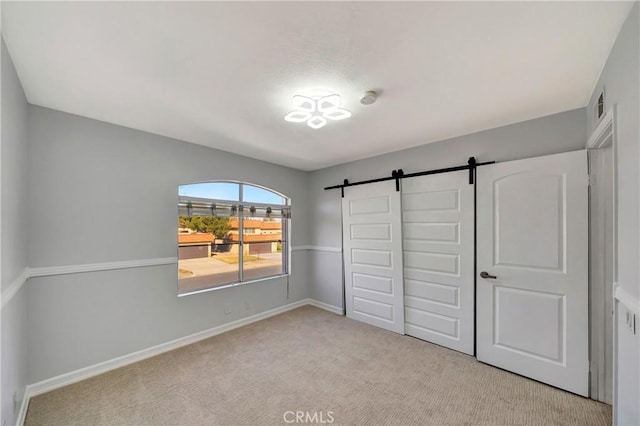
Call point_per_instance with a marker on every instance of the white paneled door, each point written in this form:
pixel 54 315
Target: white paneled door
pixel 437 222
pixel 372 244
pixel 532 263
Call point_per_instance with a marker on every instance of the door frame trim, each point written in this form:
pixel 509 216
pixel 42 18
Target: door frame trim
pixel 603 136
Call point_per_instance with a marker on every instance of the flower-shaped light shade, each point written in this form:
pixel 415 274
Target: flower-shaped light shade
pixel 316 122
pixel 298 116
pixel 304 103
pixel 316 110
pixel 329 103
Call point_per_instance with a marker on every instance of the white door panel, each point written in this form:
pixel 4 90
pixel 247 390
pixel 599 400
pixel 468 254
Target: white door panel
pixel 532 235
pixel 437 214
pixel 372 240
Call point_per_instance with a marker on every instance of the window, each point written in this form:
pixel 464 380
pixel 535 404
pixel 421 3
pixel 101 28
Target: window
pixel 230 233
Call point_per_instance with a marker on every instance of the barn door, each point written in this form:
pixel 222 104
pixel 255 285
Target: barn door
pixel 372 244
pixel 532 283
pixel 437 222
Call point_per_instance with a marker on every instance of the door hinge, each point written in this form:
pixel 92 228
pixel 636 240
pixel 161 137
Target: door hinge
pixel 591 180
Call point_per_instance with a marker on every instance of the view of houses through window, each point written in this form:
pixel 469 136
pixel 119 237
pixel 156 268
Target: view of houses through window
pixel 230 233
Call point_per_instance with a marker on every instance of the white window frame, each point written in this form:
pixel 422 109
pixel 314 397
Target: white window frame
pixel 242 207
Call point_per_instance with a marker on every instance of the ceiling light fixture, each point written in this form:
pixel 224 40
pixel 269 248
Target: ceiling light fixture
pixel 316 110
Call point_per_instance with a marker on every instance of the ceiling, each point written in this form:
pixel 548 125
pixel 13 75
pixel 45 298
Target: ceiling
pixel 223 74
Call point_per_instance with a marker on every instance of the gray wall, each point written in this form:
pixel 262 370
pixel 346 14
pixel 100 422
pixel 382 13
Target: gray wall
pixel 14 174
pixel 620 77
pixel 548 135
pixel 101 193
pixel 13 150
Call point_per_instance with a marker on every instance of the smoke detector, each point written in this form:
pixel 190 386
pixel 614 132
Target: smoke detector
pixel 368 98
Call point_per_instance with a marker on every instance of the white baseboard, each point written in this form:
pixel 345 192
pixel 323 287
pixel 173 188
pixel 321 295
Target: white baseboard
pixel 96 369
pixel 326 306
pixel 103 367
pixel 22 414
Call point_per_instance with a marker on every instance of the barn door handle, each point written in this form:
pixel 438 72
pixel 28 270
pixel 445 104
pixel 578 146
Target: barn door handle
pixel 486 275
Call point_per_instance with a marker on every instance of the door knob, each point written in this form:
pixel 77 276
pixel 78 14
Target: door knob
pixel 486 275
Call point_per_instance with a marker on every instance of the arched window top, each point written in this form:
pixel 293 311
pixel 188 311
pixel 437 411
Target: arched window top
pixel 225 198
pixel 232 191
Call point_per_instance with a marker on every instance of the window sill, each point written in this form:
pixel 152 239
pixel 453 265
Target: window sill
pixel 238 284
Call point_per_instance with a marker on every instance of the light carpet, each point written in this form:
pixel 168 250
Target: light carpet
pixel 319 363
